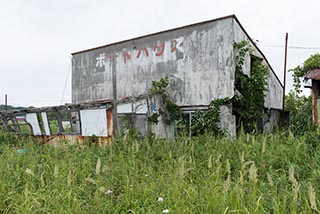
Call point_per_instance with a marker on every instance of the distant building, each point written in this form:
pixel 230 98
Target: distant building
pixel 198 58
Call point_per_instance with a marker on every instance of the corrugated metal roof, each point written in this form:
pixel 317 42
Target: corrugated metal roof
pixel 313 74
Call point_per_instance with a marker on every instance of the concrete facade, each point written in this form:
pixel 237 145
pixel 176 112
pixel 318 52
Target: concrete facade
pixel 199 60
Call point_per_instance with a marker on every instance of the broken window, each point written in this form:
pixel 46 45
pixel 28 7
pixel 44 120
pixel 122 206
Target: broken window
pixel 183 126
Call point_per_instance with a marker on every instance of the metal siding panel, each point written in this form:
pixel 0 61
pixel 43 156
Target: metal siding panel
pixel 33 120
pixel 45 123
pixel 94 122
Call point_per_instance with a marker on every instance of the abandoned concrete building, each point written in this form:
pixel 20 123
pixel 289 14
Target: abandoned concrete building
pixel 198 59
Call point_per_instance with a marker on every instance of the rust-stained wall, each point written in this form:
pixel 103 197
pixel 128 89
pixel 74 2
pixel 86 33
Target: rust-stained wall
pixel 199 60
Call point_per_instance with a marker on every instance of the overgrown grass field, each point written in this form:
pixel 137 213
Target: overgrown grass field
pixel 251 174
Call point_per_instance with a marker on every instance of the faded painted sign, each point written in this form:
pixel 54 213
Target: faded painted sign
pixel 159 49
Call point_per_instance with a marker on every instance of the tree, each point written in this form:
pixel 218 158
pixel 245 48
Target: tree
pixel 300 107
pixel 301 70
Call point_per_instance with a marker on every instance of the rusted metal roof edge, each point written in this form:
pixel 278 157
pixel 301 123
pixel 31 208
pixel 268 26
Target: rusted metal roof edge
pixel 80 105
pixel 313 74
pixel 160 32
pixel 254 44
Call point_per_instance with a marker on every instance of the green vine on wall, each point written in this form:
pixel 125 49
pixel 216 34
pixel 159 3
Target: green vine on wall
pixel 248 107
pixel 170 112
pixel 207 122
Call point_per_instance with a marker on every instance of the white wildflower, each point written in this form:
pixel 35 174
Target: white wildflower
pixel 108 192
pixel 165 211
pixel 160 199
pixel 146 175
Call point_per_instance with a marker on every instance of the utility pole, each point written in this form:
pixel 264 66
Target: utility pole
pixel 285 72
pixel 6 102
pixel 115 94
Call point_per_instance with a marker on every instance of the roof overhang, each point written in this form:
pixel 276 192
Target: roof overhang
pixel 313 74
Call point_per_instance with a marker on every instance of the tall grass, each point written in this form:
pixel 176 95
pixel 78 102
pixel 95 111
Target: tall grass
pixel 251 174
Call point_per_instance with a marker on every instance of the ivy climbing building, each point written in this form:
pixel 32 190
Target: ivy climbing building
pixel 199 60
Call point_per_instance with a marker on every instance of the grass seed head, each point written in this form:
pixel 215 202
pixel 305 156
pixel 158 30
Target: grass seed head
pixel 98 166
pixel 69 178
pixel 312 196
pixel 56 171
pixel 42 180
pixel 253 175
pixel 210 162
pixel 295 183
pixel 227 184
pixel 264 145
pixel 269 177
pixel 228 167
pixel 91 180
pixel 29 171
pixel 102 190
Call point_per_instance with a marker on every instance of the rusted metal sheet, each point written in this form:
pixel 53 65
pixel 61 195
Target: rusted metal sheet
pixel 313 74
pixel 109 123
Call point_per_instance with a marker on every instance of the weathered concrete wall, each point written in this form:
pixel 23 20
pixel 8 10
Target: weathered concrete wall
pixel 274 94
pixel 199 60
pixel 227 120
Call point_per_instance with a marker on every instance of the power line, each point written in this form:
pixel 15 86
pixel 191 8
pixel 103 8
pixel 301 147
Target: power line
pixel 259 42
pixel 65 84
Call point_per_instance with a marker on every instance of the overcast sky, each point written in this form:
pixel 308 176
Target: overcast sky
pixel 38 36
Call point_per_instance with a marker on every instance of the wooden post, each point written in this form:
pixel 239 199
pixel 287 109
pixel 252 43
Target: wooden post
pixel 5 102
pixel 314 103
pixel 115 94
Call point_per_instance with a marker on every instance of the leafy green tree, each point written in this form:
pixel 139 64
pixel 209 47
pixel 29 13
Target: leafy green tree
pixel 301 70
pixel 300 108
